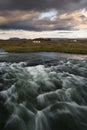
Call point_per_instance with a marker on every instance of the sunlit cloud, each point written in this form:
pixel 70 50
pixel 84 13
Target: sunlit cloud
pixel 51 14
pixel 76 19
pixel 14 16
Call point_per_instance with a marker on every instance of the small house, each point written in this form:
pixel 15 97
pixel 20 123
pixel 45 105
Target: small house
pixel 36 41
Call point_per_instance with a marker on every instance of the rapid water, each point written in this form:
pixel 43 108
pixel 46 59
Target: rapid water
pixel 43 91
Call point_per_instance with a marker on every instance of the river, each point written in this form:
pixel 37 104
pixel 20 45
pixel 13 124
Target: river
pixel 43 91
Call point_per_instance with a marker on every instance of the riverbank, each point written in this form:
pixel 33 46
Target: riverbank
pixel 65 46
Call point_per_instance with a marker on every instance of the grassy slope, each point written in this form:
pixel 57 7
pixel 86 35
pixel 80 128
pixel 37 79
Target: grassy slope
pixel 66 46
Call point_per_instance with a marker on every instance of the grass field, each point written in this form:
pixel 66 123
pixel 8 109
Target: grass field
pixel 65 46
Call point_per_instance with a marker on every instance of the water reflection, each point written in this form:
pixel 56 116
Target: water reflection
pixel 39 57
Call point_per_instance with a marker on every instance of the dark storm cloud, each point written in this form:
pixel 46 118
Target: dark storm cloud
pixel 35 24
pixel 41 4
pixel 31 20
pixel 25 14
pixel 16 27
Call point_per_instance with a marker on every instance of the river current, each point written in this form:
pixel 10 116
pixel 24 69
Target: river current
pixel 43 91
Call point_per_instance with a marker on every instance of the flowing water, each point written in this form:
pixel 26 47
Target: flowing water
pixel 43 91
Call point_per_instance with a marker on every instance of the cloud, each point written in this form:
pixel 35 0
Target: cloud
pixel 75 19
pixel 43 15
pixel 15 16
pixel 16 19
pixel 45 34
pixel 32 20
pixel 42 4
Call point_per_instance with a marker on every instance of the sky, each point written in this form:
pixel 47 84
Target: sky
pixel 43 18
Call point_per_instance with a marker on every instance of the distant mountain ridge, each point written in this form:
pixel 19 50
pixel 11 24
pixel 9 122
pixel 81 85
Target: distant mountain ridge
pixel 54 39
pixel 17 38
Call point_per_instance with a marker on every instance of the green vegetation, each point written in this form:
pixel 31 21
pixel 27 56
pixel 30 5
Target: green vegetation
pixel 65 46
